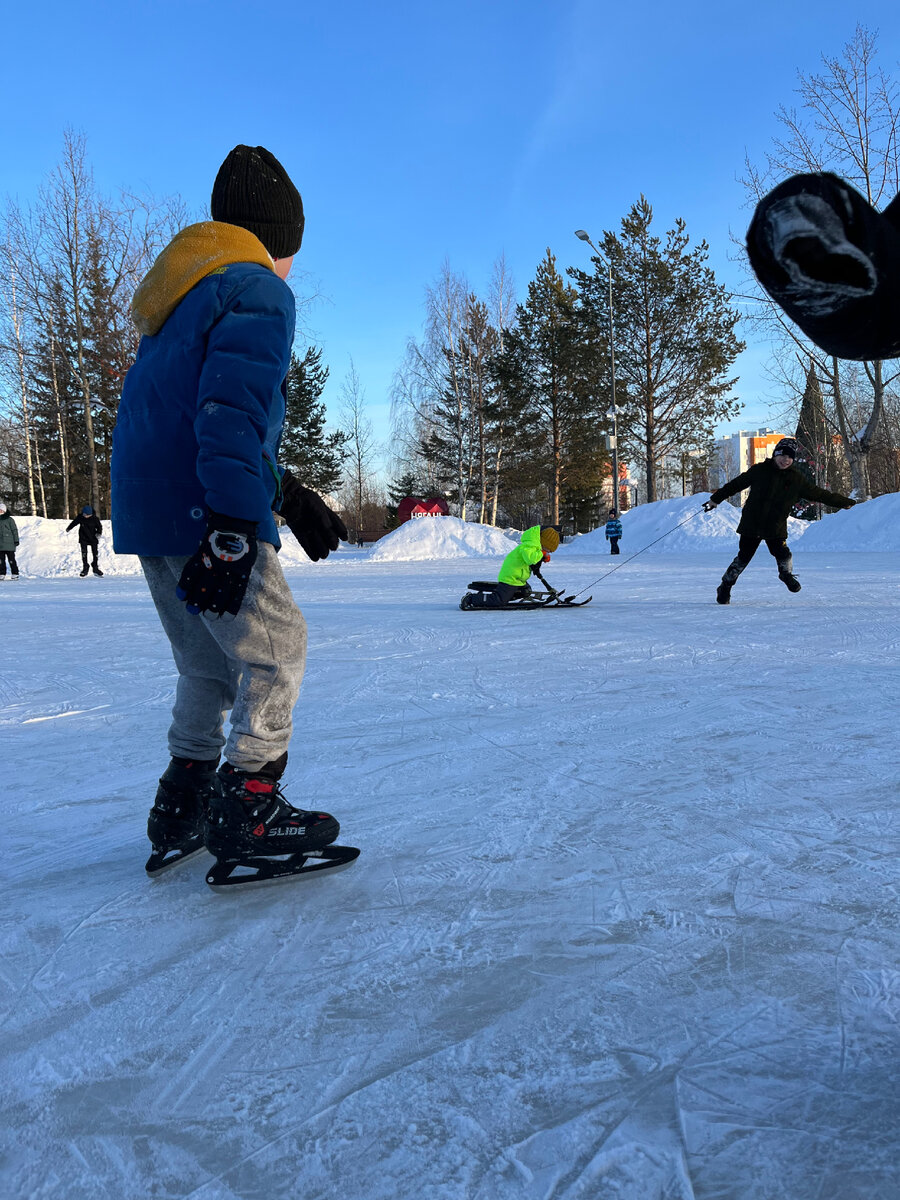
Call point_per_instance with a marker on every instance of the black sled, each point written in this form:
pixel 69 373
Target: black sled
pixel 551 598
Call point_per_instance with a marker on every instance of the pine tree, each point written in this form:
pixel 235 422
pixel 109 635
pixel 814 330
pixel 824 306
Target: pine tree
pixel 674 338
pixel 312 455
pixel 547 372
pixel 398 489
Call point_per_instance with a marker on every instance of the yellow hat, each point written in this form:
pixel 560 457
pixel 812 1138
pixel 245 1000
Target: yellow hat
pixel 549 538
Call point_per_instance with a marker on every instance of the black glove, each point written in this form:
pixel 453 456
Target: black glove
pixel 849 503
pixel 310 520
pixel 216 577
pixel 709 505
pixel 832 262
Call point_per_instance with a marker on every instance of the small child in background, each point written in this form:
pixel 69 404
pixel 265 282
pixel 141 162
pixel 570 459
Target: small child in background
pixel 9 539
pixel 613 531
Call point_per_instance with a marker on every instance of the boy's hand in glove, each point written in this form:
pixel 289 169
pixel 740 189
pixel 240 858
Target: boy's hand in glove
pixel 709 505
pixel 310 520
pixel 215 579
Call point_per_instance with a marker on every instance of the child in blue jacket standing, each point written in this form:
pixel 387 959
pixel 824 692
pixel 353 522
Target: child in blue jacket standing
pixel 613 531
pixel 194 482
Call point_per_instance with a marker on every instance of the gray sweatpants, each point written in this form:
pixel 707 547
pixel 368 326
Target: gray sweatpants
pixel 251 664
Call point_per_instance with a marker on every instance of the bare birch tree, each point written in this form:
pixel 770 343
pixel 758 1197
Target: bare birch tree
pixel 360 449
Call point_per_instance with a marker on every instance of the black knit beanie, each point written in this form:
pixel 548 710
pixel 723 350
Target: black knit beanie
pixel 253 190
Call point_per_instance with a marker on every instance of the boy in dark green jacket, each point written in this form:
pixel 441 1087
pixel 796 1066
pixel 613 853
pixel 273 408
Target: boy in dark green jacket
pixel 775 486
pixel 9 540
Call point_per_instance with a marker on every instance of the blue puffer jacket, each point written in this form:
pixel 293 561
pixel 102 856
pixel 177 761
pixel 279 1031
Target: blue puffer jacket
pixel 613 528
pixel 202 408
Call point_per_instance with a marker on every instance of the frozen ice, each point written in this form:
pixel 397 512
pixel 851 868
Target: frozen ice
pixel 625 922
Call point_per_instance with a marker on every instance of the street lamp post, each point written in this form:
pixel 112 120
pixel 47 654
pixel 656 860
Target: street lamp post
pixel 613 412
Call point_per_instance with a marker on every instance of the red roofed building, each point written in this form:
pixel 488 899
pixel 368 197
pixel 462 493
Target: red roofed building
pixel 415 506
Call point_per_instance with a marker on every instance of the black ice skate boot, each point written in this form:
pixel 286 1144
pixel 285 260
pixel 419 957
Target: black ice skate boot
pixel 175 826
pixel 790 581
pixel 253 827
pixel 723 592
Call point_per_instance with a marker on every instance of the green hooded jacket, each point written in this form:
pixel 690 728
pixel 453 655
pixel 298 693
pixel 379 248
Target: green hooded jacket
pixel 773 492
pixel 517 565
pixel 9 534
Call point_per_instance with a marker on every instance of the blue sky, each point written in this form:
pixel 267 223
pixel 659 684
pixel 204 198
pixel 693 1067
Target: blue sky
pixel 419 133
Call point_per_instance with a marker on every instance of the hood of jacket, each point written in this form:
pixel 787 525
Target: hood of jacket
pixel 197 251
pixel 531 541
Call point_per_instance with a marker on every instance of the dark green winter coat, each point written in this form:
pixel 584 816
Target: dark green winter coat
pixel 9 534
pixel 773 493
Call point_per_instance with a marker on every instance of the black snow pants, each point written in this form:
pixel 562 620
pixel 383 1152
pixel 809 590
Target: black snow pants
pixel 499 597
pixel 11 555
pixel 613 545
pixel 748 546
pixel 85 546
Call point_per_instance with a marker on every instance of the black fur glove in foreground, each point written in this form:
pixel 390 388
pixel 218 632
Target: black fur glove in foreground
pixel 832 263
pixel 215 579
pixel 310 520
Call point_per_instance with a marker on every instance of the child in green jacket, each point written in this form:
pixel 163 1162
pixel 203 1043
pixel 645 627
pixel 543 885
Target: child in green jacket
pixel 534 549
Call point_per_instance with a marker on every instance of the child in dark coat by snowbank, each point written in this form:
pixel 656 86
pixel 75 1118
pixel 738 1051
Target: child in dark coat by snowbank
pixel 90 529
pixel 9 540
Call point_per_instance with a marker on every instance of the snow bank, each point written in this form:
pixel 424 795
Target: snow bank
pixel 440 538
pixel 701 531
pixel 45 549
pixel 874 525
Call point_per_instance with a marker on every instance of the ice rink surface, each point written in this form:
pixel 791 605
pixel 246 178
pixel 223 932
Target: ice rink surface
pixel 625 922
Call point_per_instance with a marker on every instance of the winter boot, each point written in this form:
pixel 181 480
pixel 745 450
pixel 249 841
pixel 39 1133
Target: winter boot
pixel 251 819
pixel 790 581
pixel 84 570
pixel 176 823
pixel 97 570
pixel 729 579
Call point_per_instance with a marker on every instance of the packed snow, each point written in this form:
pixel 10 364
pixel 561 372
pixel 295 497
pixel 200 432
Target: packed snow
pixel 47 549
pixel 438 538
pixel 673 527
pixel 625 921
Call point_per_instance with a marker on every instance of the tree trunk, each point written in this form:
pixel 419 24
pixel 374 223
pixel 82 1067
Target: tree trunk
pixel 857 444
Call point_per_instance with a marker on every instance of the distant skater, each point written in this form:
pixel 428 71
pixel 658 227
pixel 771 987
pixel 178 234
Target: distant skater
pixel 90 528
pixel 613 531
pixel 9 539
pixel 775 486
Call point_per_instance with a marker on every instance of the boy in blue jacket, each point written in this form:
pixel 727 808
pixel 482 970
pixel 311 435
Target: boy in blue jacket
pixel 194 482
pixel 613 531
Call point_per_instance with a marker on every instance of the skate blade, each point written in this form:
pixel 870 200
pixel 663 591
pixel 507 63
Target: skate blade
pixel 231 872
pixel 160 862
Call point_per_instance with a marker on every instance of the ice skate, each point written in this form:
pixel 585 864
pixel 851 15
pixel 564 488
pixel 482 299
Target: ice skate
pixel 790 581
pixel 256 835
pixel 723 592
pixel 175 826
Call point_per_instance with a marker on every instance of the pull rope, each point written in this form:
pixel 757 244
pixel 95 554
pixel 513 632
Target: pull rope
pixel 637 552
